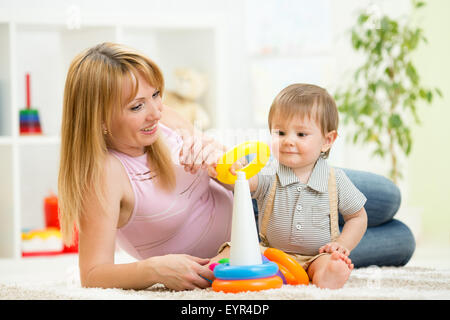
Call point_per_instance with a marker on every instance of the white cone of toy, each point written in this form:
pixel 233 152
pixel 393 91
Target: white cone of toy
pixel 244 235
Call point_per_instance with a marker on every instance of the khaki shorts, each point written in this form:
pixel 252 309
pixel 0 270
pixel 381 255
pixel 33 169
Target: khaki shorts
pixel 304 261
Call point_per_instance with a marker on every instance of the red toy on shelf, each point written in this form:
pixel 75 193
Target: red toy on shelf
pixel 47 241
pixel 51 211
pixel 52 219
pixel 29 118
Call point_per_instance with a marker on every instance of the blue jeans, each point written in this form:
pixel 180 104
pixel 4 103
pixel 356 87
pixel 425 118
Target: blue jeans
pixel 387 241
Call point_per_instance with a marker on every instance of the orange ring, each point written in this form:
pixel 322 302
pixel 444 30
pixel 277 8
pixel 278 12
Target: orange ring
pixel 297 271
pixel 290 279
pixel 235 286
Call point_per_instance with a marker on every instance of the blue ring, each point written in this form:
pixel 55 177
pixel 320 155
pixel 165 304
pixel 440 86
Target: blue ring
pixel 254 271
pixel 279 273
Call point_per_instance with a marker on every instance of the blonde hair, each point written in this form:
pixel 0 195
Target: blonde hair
pixel 306 100
pixel 92 95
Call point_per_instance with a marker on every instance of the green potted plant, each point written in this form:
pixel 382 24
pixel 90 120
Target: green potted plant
pixel 382 100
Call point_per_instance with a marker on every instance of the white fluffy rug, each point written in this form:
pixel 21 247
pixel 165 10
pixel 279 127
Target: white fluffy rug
pixel 366 283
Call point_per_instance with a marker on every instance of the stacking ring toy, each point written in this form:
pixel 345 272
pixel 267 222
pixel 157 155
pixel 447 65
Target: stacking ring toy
pixel 235 286
pixel 279 273
pixel 288 265
pixel 262 151
pixel 227 272
pixel 212 266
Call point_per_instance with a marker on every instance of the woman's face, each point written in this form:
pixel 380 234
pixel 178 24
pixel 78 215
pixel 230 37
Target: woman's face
pixel 136 126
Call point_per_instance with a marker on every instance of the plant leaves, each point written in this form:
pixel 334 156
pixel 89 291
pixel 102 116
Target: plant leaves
pixel 383 99
pixel 412 73
pixel 395 121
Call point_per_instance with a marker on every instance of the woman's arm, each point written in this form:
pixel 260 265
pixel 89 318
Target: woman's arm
pixel 97 239
pixel 199 151
pixel 97 246
pixel 173 120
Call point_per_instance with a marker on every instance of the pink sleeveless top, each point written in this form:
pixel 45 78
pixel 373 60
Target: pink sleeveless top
pixel 193 219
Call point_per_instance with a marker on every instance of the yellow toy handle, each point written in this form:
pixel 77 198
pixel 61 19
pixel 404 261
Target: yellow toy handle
pixel 262 151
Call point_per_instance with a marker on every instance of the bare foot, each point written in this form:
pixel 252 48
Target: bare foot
pixel 332 271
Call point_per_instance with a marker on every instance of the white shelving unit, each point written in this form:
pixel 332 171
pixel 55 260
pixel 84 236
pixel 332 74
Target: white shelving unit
pixel 29 164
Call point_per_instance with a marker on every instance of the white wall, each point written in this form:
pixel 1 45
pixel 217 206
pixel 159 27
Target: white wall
pixel 343 14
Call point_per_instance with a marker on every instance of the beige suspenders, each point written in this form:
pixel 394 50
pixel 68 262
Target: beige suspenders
pixel 332 194
pixel 268 209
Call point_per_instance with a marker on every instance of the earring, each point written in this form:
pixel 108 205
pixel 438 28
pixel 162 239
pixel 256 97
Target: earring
pixel 105 130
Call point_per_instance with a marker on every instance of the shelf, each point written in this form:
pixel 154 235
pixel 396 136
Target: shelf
pixel 45 51
pixel 7 216
pixel 30 140
pixel 38 177
pixel 5 80
pixel 6 141
pixel 29 164
pixel 38 140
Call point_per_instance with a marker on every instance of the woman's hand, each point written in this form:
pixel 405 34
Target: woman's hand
pixel 180 271
pixel 334 246
pixel 199 151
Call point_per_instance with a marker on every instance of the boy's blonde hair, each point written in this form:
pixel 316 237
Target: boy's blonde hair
pixel 306 100
pixel 92 95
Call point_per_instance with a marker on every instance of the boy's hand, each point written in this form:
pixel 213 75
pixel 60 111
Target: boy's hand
pixel 239 164
pixel 234 167
pixel 334 246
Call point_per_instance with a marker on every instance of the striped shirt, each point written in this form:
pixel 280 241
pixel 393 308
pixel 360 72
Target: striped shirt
pixel 300 222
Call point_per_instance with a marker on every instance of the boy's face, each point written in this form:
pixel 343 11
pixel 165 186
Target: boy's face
pixel 298 142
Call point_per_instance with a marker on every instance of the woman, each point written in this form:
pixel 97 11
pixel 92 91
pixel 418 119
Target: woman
pixel 169 219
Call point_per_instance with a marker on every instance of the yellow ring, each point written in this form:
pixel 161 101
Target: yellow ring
pixel 235 286
pixel 282 258
pixel 262 151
